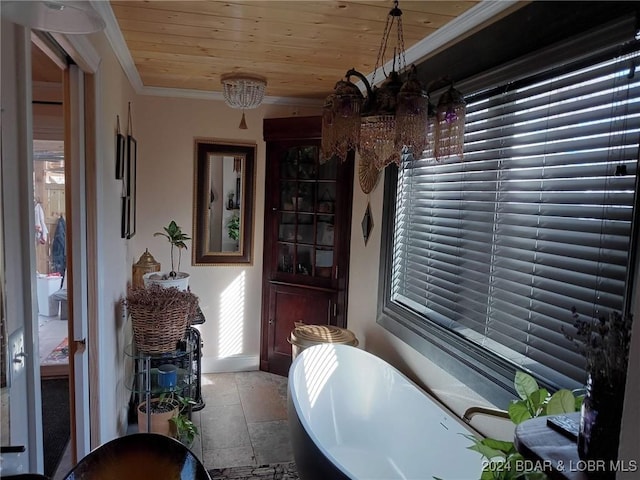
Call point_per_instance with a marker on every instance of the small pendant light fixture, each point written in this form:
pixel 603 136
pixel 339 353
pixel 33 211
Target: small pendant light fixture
pixel 341 121
pixel 413 122
pixel 243 92
pixel 449 125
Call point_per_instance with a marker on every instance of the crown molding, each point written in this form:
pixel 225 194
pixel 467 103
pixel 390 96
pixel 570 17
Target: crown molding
pixel 472 18
pixel 217 96
pixel 119 46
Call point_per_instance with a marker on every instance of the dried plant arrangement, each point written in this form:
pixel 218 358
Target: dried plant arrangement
pixel 604 342
pixel 160 316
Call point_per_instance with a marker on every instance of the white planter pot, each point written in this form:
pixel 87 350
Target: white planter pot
pixel 180 281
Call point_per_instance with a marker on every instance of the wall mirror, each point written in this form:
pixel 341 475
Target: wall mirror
pixel 223 202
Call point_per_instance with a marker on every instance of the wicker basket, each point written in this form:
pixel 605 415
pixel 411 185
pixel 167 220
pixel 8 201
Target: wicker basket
pixel 155 332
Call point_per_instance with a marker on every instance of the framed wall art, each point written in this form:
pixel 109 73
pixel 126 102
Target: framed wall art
pixel 132 163
pixel 120 153
pixel 129 162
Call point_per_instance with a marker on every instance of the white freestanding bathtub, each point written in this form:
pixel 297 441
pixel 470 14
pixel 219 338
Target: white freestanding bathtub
pixel 354 416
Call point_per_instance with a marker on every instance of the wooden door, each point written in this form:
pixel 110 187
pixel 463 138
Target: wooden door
pixel 307 236
pixel 289 305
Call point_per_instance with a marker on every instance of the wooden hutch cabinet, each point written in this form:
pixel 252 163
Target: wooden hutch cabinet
pixel 306 236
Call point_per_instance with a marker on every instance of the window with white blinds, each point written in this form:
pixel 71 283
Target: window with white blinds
pixel 536 219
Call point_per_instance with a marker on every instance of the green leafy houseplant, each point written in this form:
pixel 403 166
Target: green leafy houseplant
pixel 177 239
pixel 181 426
pixel 185 430
pixel 503 460
pixel 161 411
pixel 233 227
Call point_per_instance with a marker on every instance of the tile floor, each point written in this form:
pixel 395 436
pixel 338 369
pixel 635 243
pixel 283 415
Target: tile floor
pixel 243 423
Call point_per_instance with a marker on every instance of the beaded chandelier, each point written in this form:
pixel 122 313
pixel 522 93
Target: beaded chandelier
pixel 243 92
pixel 393 115
pixel 395 119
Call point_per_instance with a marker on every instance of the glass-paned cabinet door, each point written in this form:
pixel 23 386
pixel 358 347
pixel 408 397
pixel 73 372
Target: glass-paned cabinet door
pixel 306 216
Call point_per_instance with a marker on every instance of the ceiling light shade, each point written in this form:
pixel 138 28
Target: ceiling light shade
pixel 449 125
pixel 243 91
pixel 412 117
pixel 378 127
pixel 341 121
pixel 56 16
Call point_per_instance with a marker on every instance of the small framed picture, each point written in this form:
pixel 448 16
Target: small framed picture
pixel 132 161
pixel 124 222
pixel 120 156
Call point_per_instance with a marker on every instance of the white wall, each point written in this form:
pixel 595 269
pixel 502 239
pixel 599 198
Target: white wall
pixel 165 129
pixel 114 269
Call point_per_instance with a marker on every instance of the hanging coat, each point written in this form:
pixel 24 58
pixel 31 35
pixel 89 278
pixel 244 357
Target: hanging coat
pixel 59 248
pixel 42 233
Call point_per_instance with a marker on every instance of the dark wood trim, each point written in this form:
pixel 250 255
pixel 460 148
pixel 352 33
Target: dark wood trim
pixel 292 128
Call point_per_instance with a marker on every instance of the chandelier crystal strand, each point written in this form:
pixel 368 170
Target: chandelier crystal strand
pixel 328 131
pixel 449 125
pixel 377 140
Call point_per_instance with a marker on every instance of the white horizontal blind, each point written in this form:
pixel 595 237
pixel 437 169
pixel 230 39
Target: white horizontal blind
pixel 534 221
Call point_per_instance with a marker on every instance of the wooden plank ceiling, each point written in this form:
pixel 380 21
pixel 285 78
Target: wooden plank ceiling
pixel 301 47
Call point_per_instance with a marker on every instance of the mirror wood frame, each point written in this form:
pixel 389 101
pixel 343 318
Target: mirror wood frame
pixel 204 148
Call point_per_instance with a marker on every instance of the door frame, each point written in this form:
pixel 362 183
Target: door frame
pixel 18 275
pixel 80 113
pixel 18 218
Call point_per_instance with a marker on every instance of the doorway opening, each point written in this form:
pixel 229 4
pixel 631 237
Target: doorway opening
pixel 49 187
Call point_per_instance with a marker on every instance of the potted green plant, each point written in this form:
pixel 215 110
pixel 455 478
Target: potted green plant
pixel 504 462
pixel 233 228
pixel 174 278
pixel 163 410
pixel 183 428
pixel 169 416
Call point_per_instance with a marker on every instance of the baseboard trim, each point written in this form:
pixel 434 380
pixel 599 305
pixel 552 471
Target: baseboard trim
pixel 236 363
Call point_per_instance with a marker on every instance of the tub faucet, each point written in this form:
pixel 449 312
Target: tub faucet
pixel 494 412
